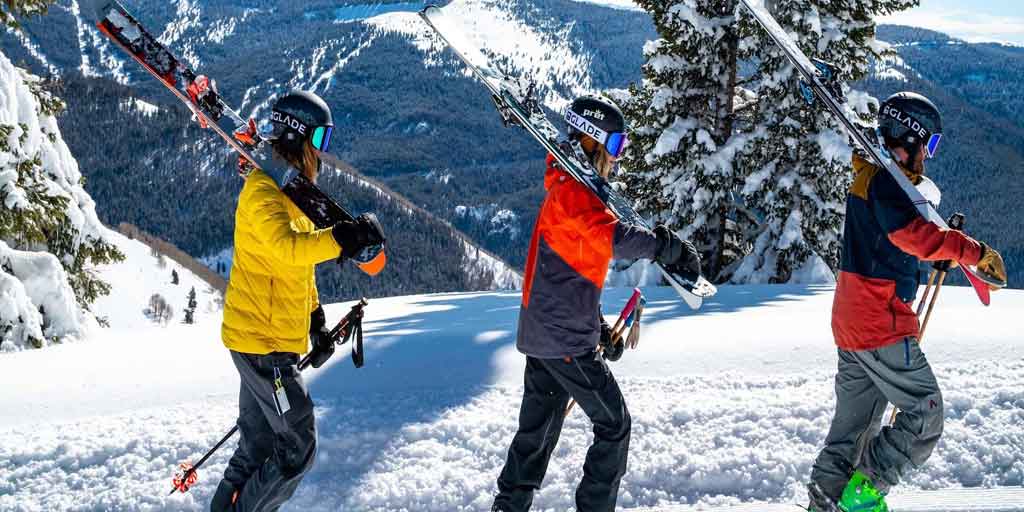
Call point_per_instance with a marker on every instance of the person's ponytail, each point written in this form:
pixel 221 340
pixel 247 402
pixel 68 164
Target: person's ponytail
pixel 300 155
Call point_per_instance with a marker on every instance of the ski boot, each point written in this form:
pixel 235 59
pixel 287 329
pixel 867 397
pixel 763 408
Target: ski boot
pixel 819 501
pixel 861 495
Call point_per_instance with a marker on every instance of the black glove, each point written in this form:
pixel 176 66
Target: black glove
pixel 355 235
pixel 223 498
pixel 675 254
pixel 323 346
pixel 611 352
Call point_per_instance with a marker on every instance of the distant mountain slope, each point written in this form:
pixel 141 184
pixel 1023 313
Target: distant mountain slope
pixel 170 178
pixel 409 117
pixel 980 165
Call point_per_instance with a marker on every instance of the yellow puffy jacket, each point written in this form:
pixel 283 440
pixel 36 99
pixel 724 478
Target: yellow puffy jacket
pixel 272 289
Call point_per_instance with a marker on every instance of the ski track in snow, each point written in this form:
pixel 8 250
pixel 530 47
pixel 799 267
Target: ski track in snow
pixel 729 407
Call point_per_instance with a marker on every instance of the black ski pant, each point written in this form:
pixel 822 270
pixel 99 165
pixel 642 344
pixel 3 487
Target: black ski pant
pixel 549 383
pixel 868 380
pixel 275 448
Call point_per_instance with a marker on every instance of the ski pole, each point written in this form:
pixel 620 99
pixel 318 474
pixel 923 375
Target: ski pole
pixel 624 321
pixel 927 291
pixel 351 325
pixel 939 272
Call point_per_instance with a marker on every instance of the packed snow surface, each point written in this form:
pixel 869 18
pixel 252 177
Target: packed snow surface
pixel 729 406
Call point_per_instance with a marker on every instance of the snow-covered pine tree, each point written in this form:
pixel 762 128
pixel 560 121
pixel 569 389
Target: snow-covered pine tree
pixel 680 165
pixel 715 153
pixel 50 237
pixel 801 166
pixel 10 10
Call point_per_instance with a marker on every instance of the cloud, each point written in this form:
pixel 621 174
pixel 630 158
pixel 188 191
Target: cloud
pixel 969 26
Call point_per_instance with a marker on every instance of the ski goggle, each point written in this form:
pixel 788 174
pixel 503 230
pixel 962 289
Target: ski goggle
pixel 932 146
pixel 321 138
pixel 615 142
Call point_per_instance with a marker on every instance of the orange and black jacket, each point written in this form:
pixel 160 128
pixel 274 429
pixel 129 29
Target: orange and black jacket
pixel 884 239
pixel 574 239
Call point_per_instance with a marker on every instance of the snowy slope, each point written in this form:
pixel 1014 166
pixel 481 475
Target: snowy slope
pixel 97 369
pixel 729 406
pixel 616 4
pixel 547 53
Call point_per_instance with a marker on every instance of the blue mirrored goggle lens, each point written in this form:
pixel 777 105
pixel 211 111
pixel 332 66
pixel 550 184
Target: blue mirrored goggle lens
pixel 322 137
pixel 933 144
pixel 616 143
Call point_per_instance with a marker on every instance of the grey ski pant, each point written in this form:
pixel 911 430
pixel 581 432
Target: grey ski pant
pixel 866 381
pixel 274 450
pixel 549 383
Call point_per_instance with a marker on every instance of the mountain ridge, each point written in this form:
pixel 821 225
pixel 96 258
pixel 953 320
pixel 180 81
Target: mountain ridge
pixel 407 112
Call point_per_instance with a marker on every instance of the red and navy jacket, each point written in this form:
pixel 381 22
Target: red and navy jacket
pixel 573 241
pixel 884 239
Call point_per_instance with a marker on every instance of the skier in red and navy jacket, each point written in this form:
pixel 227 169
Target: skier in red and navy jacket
pixel 560 323
pixel 873 323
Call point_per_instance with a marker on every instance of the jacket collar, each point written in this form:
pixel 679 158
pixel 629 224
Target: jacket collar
pixel 860 164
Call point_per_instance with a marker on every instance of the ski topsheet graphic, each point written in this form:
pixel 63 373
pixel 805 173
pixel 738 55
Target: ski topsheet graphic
pixel 518 105
pixel 201 96
pixel 819 84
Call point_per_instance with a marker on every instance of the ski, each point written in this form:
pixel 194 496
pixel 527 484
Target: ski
pixel 199 94
pixel 820 85
pixel 517 104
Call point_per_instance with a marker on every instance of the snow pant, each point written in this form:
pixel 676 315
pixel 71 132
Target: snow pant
pixel 275 449
pixel 867 380
pixel 549 383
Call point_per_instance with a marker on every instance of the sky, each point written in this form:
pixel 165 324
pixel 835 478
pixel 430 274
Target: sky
pixel 972 20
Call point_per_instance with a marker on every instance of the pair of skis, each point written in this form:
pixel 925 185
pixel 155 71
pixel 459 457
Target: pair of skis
pixel 819 85
pixel 518 105
pixel 201 96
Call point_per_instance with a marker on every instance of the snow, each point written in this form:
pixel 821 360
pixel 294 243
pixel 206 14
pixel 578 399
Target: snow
pixel 729 406
pixel 483 263
pixel 35 161
pixel 33 49
pixel 442 177
pixel 144 107
pixel 109 57
pixel 545 54
pixel 499 221
pixel 628 5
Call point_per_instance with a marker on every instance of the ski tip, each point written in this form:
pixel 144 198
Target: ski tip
pixel 430 8
pixel 981 287
pixel 694 301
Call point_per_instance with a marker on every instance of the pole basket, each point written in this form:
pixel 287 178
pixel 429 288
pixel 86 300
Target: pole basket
pixel 185 478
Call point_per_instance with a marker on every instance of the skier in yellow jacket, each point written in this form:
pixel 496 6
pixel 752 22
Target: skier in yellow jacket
pixel 271 311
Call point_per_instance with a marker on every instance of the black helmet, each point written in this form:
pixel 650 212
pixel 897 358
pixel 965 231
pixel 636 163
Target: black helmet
pixel 301 115
pixel 909 120
pixel 599 118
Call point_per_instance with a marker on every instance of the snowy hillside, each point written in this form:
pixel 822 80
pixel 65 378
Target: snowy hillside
pixel 142 274
pixel 729 406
